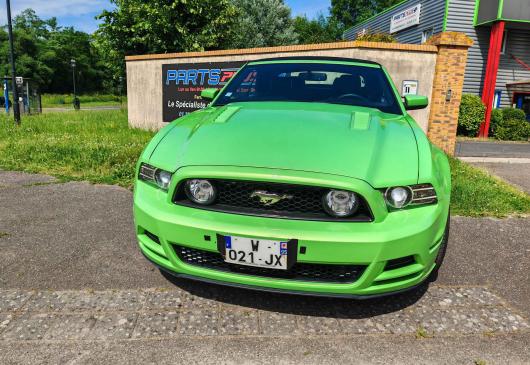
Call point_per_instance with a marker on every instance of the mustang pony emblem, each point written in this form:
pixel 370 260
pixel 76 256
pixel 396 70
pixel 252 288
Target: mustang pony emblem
pixel 267 198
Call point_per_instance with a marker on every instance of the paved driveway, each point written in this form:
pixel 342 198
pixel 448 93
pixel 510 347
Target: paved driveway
pixel 74 288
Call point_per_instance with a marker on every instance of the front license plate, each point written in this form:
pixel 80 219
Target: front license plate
pixel 256 252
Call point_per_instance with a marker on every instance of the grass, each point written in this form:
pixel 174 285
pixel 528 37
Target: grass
pixel 65 100
pixel 98 146
pixel 476 193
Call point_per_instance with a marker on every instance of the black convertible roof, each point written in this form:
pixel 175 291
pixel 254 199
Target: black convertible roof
pixel 315 58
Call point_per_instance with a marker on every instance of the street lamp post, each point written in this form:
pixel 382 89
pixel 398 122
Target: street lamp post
pixel 121 91
pixel 76 100
pixel 16 109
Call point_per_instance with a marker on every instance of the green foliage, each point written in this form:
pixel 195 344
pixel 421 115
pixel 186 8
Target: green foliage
pixel 513 114
pixel 377 37
pixel 351 12
pixel 509 124
pixel 50 100
pixel 471 115
pixel 319 30
pixel 161 26
pixel 513 130
pixel 262 23
pixel 496 119
pixel 86 145
pixel 475 193
pixel 43 52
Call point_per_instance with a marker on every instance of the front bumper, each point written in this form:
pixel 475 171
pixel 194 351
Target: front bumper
pixel 414 232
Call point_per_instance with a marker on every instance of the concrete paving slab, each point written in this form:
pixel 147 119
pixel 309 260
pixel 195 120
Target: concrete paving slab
pixel 442 311
pixel 113 326
pixel 279 324
pixel 238 322
pixel 69 327
pixel 160 324
pixel 13 300
pixel 199 323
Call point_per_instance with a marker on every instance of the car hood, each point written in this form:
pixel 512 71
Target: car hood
pixel 334 139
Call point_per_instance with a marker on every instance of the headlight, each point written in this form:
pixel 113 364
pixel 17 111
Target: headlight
pixel 401 196
pixel 156 176
pixel 200 191
pixel 340 203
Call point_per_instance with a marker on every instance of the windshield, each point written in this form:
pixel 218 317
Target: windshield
pixel 346 84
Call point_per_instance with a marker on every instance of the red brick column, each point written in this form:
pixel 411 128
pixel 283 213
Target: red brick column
pixel 447 88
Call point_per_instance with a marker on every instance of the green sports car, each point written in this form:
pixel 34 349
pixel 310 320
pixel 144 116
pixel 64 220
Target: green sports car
pixel 304 175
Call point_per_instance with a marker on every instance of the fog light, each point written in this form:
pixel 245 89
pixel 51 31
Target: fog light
pixel 200 191
pixel 340 203
pixel 398 197
pixel 162 179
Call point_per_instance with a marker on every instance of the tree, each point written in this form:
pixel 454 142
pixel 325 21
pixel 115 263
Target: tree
pixel 350 12
pixel 319 30
pixel 43 51
pixel 262 23
pixel 161 26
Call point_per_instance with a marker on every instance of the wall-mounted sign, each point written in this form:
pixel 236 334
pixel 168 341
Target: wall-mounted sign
pixel 182 85
pixel 405 19
pixel 410 87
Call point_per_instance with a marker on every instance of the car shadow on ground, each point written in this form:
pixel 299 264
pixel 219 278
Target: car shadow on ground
pixel 300 304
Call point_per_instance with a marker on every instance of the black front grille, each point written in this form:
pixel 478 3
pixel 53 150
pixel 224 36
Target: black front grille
pixel 300 271
pixel 300 202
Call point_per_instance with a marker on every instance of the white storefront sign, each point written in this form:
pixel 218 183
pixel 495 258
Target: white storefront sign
pixel 405 19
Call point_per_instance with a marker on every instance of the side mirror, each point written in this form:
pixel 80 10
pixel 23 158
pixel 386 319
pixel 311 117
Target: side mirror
pixel 413 102
pixel 209 94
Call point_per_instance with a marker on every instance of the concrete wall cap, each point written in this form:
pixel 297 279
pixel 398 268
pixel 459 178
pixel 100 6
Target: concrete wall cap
pixel 286 49
pixel 450 39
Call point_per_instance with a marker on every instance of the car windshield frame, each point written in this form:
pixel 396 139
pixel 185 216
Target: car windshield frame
pixel 281 81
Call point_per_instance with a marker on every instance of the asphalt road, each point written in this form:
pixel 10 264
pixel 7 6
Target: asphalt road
pixel 74 288
pixel 477 148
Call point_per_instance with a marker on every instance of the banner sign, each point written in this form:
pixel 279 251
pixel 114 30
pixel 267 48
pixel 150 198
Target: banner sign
pixel 182 85
pixel 405 19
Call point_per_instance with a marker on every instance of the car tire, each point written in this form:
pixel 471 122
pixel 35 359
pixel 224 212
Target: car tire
pixel 441 252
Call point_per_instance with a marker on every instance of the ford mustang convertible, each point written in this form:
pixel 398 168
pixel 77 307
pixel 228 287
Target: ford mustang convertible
pixel 303 175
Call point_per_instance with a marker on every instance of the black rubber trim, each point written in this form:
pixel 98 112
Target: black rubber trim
pixel 283 291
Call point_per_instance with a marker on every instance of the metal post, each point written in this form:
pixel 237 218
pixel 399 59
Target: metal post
pixel 75 102
pixel 28 97
pixel 490 79
pixel 121 91
pixel 16 109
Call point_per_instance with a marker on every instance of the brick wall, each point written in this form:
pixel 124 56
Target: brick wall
pixel 447 88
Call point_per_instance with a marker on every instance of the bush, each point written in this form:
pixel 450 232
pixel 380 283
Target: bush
pixel 471 115
pixel 377 37
pixel 513 114
pixel 496 119
pixel 512 130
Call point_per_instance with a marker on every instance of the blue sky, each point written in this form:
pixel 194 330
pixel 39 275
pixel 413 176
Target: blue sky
pixel 81 13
